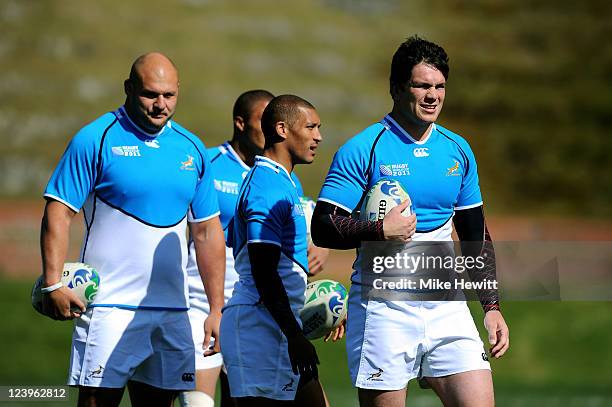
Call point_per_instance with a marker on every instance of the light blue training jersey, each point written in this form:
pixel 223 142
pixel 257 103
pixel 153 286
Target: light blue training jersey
pixel 269 211
pixel 229 172
pixel 138 190
pixel 439 172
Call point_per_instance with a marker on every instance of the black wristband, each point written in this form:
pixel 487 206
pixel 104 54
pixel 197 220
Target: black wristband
pixel 491 307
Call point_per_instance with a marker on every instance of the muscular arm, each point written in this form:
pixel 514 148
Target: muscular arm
pixel 54 240
pixel 334 228
pixel 476 241
pixel 210 256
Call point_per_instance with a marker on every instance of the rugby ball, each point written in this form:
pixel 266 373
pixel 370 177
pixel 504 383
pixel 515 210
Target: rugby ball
pixel 324 308
pixel 308 205
pixel 386 194
pixel 81 278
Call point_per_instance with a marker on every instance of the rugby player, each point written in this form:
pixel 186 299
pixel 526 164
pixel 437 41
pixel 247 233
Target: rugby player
pixel 392 342
pixel 268 359
pixel 140 179
pixel 230 163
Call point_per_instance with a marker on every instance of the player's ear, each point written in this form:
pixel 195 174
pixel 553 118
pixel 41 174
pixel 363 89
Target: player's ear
pixel 128 88
pixel 395 89
pixel 282 129
pixel 239 123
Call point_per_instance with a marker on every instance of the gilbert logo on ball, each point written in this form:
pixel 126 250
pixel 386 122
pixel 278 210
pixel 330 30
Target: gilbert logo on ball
pixel 386 194
pixel 81 278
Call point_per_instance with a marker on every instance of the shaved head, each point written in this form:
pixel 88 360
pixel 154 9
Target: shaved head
pixel 152 91
pixel 283 108
pixel 152 64
pixel 291 129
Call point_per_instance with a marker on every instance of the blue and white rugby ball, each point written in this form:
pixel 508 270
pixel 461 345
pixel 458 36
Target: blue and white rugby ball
pixel 81 278
pixel 324 308
pixel 386 194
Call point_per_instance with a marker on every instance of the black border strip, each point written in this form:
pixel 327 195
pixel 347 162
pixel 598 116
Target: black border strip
pixel 367 172
pixel 99 163
pixel 98 176
pixel 219 154
pixel 93 214
pixel 138 219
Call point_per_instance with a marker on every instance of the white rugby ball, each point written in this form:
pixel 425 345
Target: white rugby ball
pixel 81 278
pixel 308 205
pixel 386 194
pixel 324 308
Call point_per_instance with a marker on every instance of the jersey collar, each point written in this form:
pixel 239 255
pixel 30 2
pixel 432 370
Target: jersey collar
pixel 262 161
pixel 391 125
pixel 121 113
pixel 228 147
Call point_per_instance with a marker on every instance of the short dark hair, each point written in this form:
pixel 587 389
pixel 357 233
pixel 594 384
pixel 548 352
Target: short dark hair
pixel 283 108
pixel 412 52
pixel 243 106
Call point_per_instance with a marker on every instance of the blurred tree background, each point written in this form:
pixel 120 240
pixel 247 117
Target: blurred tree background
pixel 530 84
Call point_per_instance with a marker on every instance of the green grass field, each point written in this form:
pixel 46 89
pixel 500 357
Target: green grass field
pixel 559 355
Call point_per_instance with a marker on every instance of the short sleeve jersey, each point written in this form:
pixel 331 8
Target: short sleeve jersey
pixel 138 190
pixel 229 172
pixel 269 211
pixel 439 173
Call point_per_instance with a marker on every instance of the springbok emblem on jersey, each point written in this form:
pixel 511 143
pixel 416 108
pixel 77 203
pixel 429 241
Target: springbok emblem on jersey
pixel 453 170
pixel 188 165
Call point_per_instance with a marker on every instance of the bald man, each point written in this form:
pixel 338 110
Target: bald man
pixel 140 179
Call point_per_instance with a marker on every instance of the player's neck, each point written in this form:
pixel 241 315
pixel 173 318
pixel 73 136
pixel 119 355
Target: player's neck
pixel 243 152
pixel 417 131
pixel 134 118
pixel 281 156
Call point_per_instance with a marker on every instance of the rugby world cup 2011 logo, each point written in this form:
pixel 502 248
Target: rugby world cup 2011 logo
pixel 385 170
pixel 392 189
pixel 85 276
pixel 394 170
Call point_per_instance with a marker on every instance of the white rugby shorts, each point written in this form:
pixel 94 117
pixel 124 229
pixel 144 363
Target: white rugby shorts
pixel 391 342
pixel 199 308
pixel 112 345
pixel 197 316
